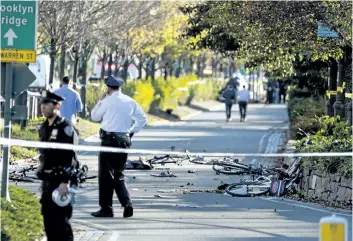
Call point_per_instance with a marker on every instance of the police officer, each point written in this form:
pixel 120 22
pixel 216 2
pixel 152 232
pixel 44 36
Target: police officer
pixel 116 111
pixel 52 172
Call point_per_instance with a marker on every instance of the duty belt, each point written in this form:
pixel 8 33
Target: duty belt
pixel 104 133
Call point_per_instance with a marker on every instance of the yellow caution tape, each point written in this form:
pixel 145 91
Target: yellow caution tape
pixel 331 92
pixel 339 89
pixel 348 95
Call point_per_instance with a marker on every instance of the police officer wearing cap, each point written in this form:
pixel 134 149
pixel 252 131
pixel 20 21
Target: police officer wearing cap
pixel 117 112
pixel 54 167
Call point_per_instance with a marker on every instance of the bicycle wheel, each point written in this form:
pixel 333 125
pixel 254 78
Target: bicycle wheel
pixel 162 161
pixel 228 170
pixel 247 189
pixel 231 168
pixel 22 179
pixel 202 161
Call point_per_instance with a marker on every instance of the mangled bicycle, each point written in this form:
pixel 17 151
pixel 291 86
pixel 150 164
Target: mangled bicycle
pixel 27 174
pixel 275 180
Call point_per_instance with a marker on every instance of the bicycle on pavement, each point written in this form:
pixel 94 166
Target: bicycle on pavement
pixel 264 183
pixel 22 174
pixel 165 159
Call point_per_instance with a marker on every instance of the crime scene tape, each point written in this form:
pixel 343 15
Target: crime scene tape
pixel 53 145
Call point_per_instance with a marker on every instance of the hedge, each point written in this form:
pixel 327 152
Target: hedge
pixel 302 112
pixel 160 94
pixel 327 134
pixel 21 220
pixel 333 135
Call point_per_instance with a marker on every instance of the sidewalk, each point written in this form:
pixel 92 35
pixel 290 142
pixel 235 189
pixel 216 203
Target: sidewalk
pixel 195 108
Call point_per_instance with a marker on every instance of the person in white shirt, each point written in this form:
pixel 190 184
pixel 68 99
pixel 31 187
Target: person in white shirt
pixel 243 99
pixel 116 111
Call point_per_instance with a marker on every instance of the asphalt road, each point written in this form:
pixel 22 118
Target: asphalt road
pixel 166 210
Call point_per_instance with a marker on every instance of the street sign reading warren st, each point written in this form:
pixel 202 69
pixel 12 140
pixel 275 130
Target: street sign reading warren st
pixel 18 31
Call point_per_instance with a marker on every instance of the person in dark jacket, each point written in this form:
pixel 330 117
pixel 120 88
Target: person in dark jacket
pixel 229 96
pixel 283 92
pixel 55 168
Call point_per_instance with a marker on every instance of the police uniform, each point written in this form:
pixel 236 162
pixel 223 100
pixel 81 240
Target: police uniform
pixel 52 172
pixel 116 113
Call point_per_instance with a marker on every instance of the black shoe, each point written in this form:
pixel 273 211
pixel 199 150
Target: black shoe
pixel 128 212
pixel 103 214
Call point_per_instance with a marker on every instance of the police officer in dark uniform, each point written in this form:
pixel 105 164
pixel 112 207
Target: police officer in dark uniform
pixel 55 168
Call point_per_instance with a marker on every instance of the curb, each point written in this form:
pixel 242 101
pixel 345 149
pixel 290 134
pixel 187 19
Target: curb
pixel 188 117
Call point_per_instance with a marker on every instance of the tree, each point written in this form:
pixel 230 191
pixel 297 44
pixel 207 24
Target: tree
pixel 272 34
pixel 54 22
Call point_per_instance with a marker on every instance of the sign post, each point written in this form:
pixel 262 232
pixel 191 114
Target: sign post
pixel 7 131
pixel 18 46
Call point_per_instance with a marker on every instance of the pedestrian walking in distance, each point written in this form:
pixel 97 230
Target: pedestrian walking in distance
pixel 72 103
pixel 53 163
pixel 116 111
pixel 243 99
pixel 229 96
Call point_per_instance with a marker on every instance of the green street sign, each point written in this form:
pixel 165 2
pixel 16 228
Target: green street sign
pixel 18 31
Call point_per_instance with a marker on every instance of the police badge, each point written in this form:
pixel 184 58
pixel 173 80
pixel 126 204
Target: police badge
pixel 54 134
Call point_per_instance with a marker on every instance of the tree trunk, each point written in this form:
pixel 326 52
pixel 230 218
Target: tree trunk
pixel 62 60
pixel 103 64
pixel 148 72
pixel 110 63
pixel 171 68
pixel 198 64
pixel 124 70
pixel 52 59
pixel 153 69
pixel 83 86
pixel 116 63
pixel 139 67
pixel 76 58
pixel 191 64
pixel 166 71
pixel 178 70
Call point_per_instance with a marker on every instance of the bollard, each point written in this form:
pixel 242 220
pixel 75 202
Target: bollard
pixel 333 228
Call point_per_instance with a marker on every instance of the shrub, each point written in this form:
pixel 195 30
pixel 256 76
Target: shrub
pixel 206 91
pixel 302 113
pixel 333 136
pixel 93 94
pixel 19 153
pixel 129 88
pixel 144 94
pixel 30 133
pixel 171 92
pixel 21 219
pixel 159 94
pixel 298 93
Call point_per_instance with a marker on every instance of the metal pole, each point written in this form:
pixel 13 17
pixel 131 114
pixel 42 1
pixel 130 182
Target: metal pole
pixel 332 86
pixel 7 130
pixel 338 105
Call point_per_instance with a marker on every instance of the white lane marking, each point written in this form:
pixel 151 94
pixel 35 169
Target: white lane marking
pixel 114 236
pixel 297 204
pixel 259 149
pixel 89 224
